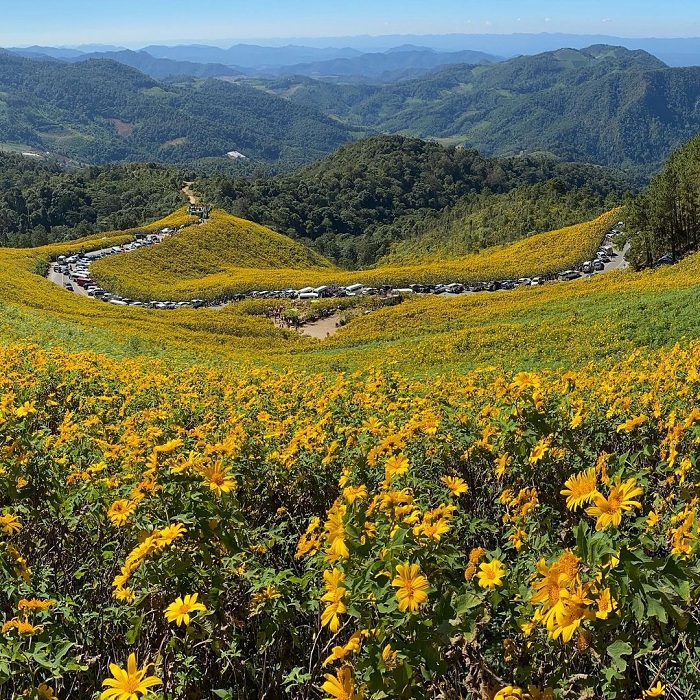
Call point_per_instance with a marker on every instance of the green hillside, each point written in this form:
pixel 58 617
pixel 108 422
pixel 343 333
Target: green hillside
pixel 100 111
pixel 189 263
pixel 603 104
pixel 481 220
pixel 352 205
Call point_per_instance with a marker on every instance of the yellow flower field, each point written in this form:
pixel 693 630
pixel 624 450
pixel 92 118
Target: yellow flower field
pixel 206 533
pixel 213 507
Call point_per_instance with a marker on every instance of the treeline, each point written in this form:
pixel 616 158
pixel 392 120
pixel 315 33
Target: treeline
pixel 485 219
pixel 665 218
pixel 42 202
pixel 354 204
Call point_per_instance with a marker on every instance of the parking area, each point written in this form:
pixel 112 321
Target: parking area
pixel 73 274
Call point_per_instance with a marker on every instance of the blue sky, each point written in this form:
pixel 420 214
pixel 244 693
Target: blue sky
pixel 141 22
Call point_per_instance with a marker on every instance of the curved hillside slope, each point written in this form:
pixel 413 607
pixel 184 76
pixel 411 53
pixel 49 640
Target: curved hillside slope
pixel 231 255
pixel 224 245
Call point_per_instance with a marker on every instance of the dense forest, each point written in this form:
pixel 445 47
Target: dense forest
pixel 44 202
pixel 484 219
pixel 664 220
pixel 354 204
pixel 100 111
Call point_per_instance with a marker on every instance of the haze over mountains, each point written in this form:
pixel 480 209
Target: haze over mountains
pixel 287 52
pixel 401 62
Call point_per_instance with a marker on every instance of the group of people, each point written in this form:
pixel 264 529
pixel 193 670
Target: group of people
pixel 285 316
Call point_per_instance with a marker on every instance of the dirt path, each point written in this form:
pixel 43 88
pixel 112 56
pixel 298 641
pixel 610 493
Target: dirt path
pixel 323 328
pixel 187 191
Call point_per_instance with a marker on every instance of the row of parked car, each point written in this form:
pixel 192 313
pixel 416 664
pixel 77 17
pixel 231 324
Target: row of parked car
pixel 77 268
pixel 605 254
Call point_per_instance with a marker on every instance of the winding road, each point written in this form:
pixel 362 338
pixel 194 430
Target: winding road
pixel 317 329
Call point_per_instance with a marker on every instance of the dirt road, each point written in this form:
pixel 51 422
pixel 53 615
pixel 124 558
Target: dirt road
pixel 187 191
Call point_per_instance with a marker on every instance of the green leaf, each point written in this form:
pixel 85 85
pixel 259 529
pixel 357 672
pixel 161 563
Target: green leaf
pixel 617 650
pixel 466 602
pixel 656 609
pixel 637 608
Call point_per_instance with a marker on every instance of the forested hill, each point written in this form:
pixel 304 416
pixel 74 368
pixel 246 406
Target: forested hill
pixel 43 202
pixel 353 204
pixel 100 111
pixel 603 104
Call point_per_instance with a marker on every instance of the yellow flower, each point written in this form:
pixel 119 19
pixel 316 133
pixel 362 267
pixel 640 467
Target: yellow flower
pixel 456 485
pixel 35 604
pixel 124 595
pixel 620 499
pixel 339 652
pixel 567 616
pixel 335 527
pixel 510 692
pixel 218 478
pixel 45 692
pixel 128 684
pixel 10 524
pixel 501 464
pixel 390 657
pixel 22 626
pixel 309 541
pixel 433 529
pixel 396 465
pixel 341 686
pixel 169 446
pixel 270 592
pixel 335 597
pixel 491 573
pixel 170 533
pixel 655 691
pixel 354 493
pixel 179 611
pixel 629 425
pixel 653 520
pixel 538 451
pixel 412 587
pixel 518 537
pixel 120 511
pixel 25 409
pixel 580 489
pixel 606 604
pixel 555 579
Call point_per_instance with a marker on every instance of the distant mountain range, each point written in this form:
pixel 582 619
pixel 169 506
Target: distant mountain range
pixel 99 111
pixel 677 51
pixel 603 104
pixel 343 65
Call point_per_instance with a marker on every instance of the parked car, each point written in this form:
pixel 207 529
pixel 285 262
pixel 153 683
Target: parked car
pixel 568 275
pixel 664 260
